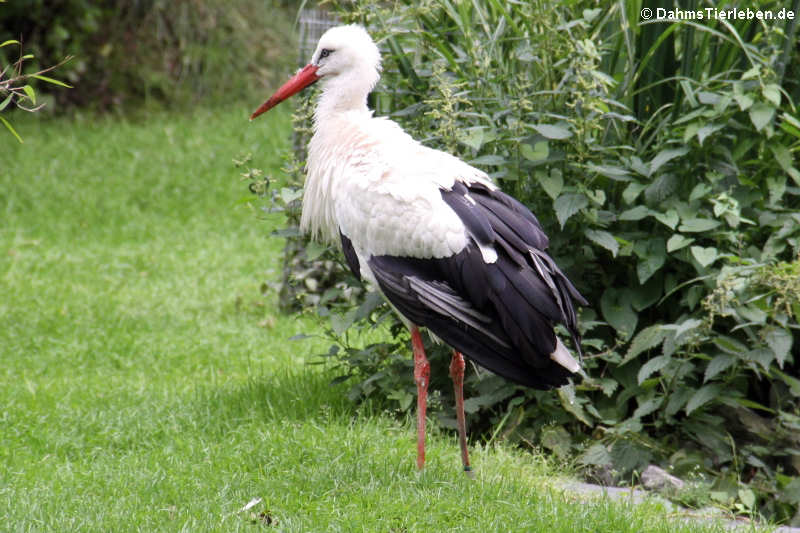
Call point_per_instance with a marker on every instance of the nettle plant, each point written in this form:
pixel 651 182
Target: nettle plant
pixel 702 362
pixel 702 368
pixel 660 158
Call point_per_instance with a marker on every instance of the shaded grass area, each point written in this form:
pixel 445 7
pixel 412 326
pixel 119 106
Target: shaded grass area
pixel 146 384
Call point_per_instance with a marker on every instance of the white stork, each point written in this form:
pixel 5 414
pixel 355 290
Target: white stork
pixel 449 250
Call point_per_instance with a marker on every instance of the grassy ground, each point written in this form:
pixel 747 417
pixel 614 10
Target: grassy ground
pixel 146 384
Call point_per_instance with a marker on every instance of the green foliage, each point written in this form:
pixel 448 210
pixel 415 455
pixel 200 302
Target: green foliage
pixel 165 51
pixel 16 89
pixel 665 152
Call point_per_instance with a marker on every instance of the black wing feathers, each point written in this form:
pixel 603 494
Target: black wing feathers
pixel 350 255
pixel 498 312
pixel 512 222
pixel 420 299
pixel 470 213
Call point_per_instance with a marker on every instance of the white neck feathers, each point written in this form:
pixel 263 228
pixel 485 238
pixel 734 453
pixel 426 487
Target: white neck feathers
pixel 340 135
pixel 343 93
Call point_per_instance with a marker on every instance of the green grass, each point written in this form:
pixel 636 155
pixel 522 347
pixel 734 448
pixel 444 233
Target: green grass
pixel 147 385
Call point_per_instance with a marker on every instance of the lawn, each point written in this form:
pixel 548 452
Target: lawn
pixel 146 384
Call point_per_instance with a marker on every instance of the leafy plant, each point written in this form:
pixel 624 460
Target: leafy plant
pixel 15 86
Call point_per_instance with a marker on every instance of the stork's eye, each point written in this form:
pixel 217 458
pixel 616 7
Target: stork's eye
pixel 325 53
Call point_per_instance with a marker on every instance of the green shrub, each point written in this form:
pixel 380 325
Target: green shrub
pixel 167 51
pixel 660 156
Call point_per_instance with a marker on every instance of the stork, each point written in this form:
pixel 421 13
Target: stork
pixel 447 248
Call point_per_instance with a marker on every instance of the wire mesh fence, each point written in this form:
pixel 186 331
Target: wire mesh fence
pixel 313 23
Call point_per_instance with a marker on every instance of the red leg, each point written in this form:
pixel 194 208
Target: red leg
pixel 457 373
pixel 422 374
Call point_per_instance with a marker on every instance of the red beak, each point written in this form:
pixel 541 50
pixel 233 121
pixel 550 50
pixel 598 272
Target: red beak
pixel 304 77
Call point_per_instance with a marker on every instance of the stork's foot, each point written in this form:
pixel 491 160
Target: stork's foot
pixel 422 374
pixel 457 373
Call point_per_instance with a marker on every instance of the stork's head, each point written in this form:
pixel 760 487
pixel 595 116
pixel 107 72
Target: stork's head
pixel 346 54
